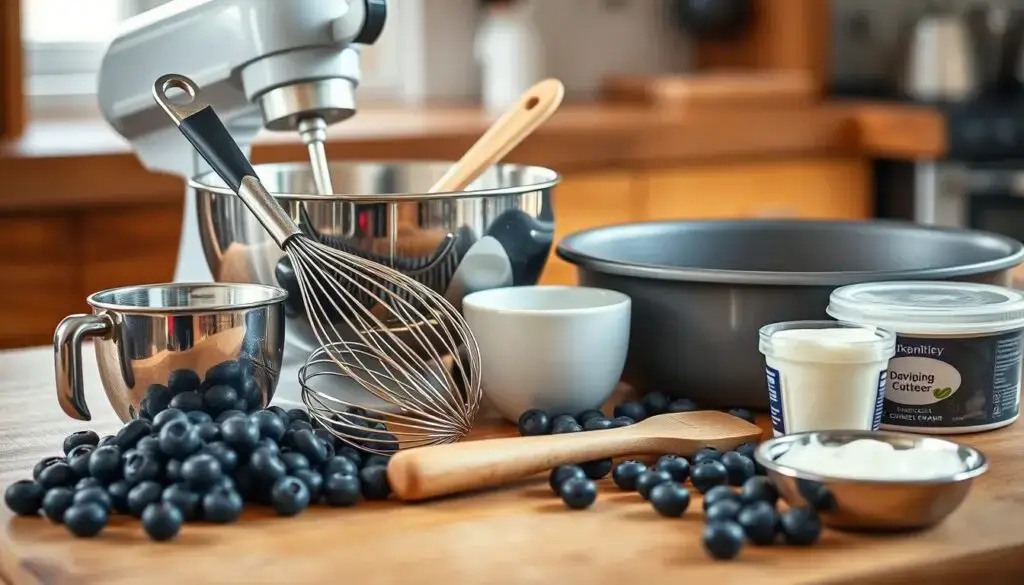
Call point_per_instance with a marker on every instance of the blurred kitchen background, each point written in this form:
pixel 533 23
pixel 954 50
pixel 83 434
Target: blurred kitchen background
pixel 849 109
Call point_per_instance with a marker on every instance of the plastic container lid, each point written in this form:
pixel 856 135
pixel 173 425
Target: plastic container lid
pixel 937 308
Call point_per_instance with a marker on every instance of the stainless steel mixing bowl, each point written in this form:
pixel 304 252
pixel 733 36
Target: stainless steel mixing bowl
pixel 702 289
pixel 173 335
pixel 496 233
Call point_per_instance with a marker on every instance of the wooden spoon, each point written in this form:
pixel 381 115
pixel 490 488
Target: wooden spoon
pixel 534 107
pixel 428 472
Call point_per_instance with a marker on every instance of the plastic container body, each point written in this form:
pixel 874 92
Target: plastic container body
pixel 825 375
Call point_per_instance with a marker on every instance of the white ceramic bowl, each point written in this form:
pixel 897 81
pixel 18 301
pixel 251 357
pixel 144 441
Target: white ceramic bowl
pixel 559 348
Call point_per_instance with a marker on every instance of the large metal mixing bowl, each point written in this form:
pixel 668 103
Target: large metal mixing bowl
pixel 496 233
pixel 702 289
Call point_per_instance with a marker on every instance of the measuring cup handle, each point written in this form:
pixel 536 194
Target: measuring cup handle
pixel 67 360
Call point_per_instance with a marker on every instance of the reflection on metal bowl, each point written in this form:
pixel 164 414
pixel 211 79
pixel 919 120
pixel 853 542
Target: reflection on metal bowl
pixel 496 233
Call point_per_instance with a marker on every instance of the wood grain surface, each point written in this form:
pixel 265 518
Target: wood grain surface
pixel 518 534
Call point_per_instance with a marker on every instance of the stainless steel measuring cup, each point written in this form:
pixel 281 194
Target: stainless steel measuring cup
pixel 172 335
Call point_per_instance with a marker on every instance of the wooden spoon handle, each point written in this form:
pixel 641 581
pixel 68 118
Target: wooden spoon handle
pixel 428 472
pixel 533 109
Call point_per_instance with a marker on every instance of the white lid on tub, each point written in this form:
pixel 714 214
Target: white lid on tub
pixel 930 307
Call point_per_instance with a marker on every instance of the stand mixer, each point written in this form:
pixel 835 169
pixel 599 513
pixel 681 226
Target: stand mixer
pixel 281 65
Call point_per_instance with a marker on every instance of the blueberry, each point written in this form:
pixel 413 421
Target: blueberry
pixel 676 466
pixel 158 397
pixel 150 444
pixel 105 463
pixel 201 471
pixel 311 446
pixel 73 440
pixel 563 419
pixel 289 496
pixel 760 522
pixel 282 413
pixel 225 455
pixel 300 425
pixel 376 459
pixel 707 453
pixel 723 540
pixel 228 414
pixel 719 493
pixel 107 440
pixel 742 413
pixel 563 473
pixel 738 467
pixel 578 493
pixel 219 398
pixel 759 489
pixel 57 475
pixel 350 453
pixel 294 461
pixel 650 478
pixel 267 466
pixel 298 414
pixel 270 425
pixel 626 473
pixel 143 495
pixel 566 427
pixel 597 424
pixel 119 495
pixel 86 520
pixel 78 459
pixel 326 436
pixel 632 409
pixel 374 482
pixel 185 500
pixel 209 432
pixel 588 414
pixel 707 474
pixel 140 467
pixel 816 494
pixel 378 440
pixel 183 380
pixel 44 463
pixel 56 502
pixel 198 417
pixel 723 510
pixel 656 403
pixel 534 422
pixel 172 471
pixel 25 497
pixel 342 465
pixel 622 421
pixel 162 521
pixel 240 433
pixel 269 445
pixel 89 482
pixel 800 526
pixel 222 506
pixel 94 494
pixel 747 449
pixel 597 469
pixel 670 499
pixel 682 405
pixel 131 433
pixel 251 395
pixel 168 416
pixel 187 401
pixel 231 373
pixel 313 480
pixel 341 490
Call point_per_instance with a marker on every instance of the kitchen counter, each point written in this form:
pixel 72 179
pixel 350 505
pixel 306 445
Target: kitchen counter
pixel 518 534
pixel 83 162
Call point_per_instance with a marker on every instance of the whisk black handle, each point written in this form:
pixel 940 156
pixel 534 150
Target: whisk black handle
pixel 201 125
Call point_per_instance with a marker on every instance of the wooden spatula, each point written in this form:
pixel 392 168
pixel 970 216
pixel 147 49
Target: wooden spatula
pixel 428 472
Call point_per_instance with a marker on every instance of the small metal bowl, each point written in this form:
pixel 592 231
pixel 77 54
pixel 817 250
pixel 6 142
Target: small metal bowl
pixel 879 505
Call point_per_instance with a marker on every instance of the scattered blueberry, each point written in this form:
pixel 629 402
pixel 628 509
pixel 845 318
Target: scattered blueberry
pixel 172 471
pixel 534 422
pixel 742 413
pixel 622 421
pixel 86 520
pixel 738 467
pixel 58 475
pixel 341 490
pixel 270 425
pixel 159 398
pixel 289 496
pixel 759 489
pixel 43 464
pixel 219 398
pixel 240 433
pixel 682 405
pixel 800 526
pixel 73 440
pixel 563 473
pixel 760 522
pixel 300 425
pixel 183 380
pixel 374 482
pixel 307 443
pixel 222 506
pixel 351 454
pixel 56 502
pixel 597 469
pixel 187 401
pixel 25 497
pixel 294 461
pixel 707 474
pixel 578 493
pixel 656 403
pixel 816 494
pixel 78 459
pixel 376 459
pixel 588 414
pixel 676 466
pixel 230 372
pixel 747 449
pixel 342 465
pixel 670 499
pixel 313 480
pixel 119 495
pixel 723 540
pixel 567 427
pixel 198 417
pixel 707 453
pixel 201 471
pixel 167 416
pixel 650 478
pixel 107 440
pixel 267 466
pixel 187 501
pixel 632 409
pixel 162 521
pixel 597 424
pixel 89 482
pixel 718 494
pixel 626 473
pixel 140 466
pixel 131 433
pixel 105 463
pixel 143 495
pixel 225 455
pixel 151 444
pixel 228 414
pixel 723 510
pixel 563 419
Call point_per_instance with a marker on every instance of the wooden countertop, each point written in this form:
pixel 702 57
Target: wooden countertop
pixel 84 162
pixel 520 534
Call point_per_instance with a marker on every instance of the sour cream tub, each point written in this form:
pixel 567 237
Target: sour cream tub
pixel 957 366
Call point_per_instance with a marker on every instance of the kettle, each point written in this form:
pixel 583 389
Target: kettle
pixel 941 58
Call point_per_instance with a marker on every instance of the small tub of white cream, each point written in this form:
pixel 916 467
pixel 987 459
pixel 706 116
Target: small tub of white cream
pixel 825 375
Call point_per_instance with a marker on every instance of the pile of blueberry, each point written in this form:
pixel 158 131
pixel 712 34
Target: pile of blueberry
pixel 201 449
pixel 539 422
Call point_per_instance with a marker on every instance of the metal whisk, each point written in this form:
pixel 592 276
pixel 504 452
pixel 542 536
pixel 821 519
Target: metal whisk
pixel 408 346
